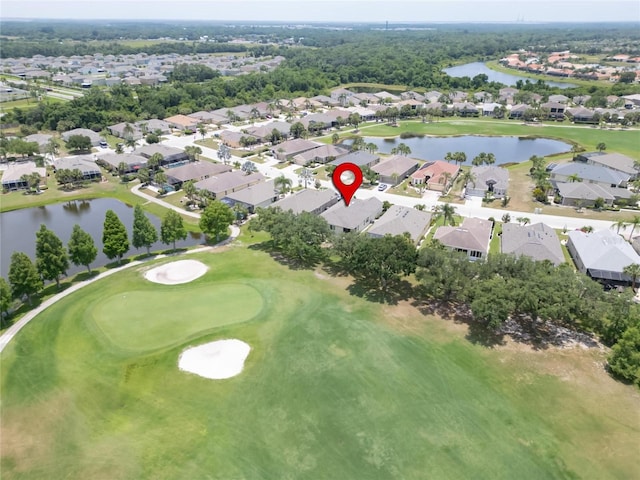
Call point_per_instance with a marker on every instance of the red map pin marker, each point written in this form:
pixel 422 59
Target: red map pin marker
pixel 347 189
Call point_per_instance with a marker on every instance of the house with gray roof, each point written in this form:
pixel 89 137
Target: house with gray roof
pixel 472 237
pixel 125 130
pixel 359 158
pixel 395 169
pixel 12 176
pixel 169 154
pixel 286 150
pixel 320 154
pixel 264 132
pixel 537 241
pixel 354 218
pixel 307 200
pixel 399 220
pixel 153 125
pixel 582 194
pixel 614 161
pixel 40 138
pixel 85 132
pixel 112 161
pixel 602 255
pixel 84 163
pixel 489 179
pixel 194 171
pixel 594 174
pixel 260 195
pixel 222 185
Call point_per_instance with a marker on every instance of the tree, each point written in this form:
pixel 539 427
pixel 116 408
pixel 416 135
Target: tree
pixel 115 240
pixel 625 356
pixel 283 183
pixel 379 261
pixel 190 190
pixel 634 223
pixel 620 224
pixel 249 167
pixel 216 218
pixel 172 228
pixel 506 218
pixel 601 147
pixel 5 298
pixel 523 220
pixel 192 152
pixel 492 302
pixel 52 148
pixel 119 148
pixel 447 212
pixel 155 161
pixel 122 168
pixel 202 130
pixel 305 176
pixel 81 247
pixel 130 142
pixel 401 149
pixel 224 153
pixel 144 176
pixel 298 130
pixel 78 143
pixel 160 179
pixel 633 271
pixel 51 256
pixel 355 120
pixel 23 277
pixel 369 174
pixel 467 177
pixel 574 177
pixel 144 233
pixel 335 138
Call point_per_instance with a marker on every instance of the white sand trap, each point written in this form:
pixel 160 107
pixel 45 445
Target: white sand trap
pixel 182 271
pixel 216 360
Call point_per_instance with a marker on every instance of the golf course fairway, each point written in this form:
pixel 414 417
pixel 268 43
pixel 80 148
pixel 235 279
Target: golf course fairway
pixel 335 387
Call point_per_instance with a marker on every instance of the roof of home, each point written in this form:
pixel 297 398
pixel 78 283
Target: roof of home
pixel 193 170
pixel 182 120
pixel 307 200
pixel 39 138
pixel 164 150
pixel 264 131
pixel 295 145
pixel 434 170
pixel 229 181
pixel 398 164
pixel 537 241
pixel 114 159
pixel 491 173
pixel 354 215
pixel 95 137
pixel 321 151
pixel 473 235
pixel 83 163
pixel 615 161
pixel 604 253
pixel 398 219
pixel 358 158
pixel 255 194
pixel 581 190
pixel 594 173
pixel 14 171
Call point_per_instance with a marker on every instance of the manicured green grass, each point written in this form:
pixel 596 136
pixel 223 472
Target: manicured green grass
pixel 173 313
pixel 334 387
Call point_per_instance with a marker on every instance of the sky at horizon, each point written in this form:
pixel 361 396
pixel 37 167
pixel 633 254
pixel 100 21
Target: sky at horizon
pixel 423 11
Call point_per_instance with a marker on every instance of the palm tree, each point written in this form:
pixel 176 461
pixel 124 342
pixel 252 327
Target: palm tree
pixel 601 147
pixel 449 157
pixel 620 225
pixel 192 152
pixel 202 129
pixel 575 149
pixel 224 153
pixel 122 168
pixel 305 175
pixel 403 149
pixel 634 223
pixel 467 177
pixel 127 131
pixel 523 220
pixel 447 212
pixel 446 179
pixel 155 161
pixel 130 142
pixel 335 138
pixel 190 190
pixel 255 113
pixel 283 183
pixel 633 270
pixel 574 177
pixel 52 148
pixel 506 218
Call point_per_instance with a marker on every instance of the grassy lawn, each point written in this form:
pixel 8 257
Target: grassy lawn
pixel 25 103
pixel 208 142
pixel 404 188
pixel 334 387
pixel 494 244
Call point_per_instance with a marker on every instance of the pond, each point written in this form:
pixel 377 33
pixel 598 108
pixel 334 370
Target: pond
pixel 18 228
pixel 472 69
pixel 505 149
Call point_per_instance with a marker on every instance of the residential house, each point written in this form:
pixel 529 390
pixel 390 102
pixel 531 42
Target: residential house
pixel 125 130
pixel 194 171
pixel 595 174
pixel 489 180
pixel 260 195
pixel 112 161
pixel 320 154
pixel 12 176
pixel 614 161
pixel 580 194
pixel 354 218
pixel 287 150
pixel 232 138
pixel 312 201
pixel 518 111
pixel 222 185
pixel 602 255
pixel 538 241
pixel 359 158
pixel 153 125
pixel 556 109
pixel 399 220
pixel 581 115
pixel 85 132
pixel 182 122
pixel 434 175
pixel 41 139
pixel 209 118
pixel 472 237
pixel 395 169
pixel 263 133
pixel 170 155
pixel 86 165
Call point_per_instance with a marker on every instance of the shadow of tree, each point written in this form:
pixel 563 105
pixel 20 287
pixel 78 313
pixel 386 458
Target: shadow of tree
pixel 293 264
pixel 371 291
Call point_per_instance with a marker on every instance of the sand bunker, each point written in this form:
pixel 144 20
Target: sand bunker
pixel 182 271
pixel 216 360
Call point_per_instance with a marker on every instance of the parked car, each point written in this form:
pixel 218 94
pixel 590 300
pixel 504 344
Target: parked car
pixel 382 187
pixel 103 144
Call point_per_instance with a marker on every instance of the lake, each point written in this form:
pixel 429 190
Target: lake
pixel 18 228
pixel 472 69
pixel 506 149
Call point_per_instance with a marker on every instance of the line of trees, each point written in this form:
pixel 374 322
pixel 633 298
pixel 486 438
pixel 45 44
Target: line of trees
pixel 500 289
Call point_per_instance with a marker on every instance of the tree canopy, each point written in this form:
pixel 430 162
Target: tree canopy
pixel 82 248
pixel 115 239
pixel 51 256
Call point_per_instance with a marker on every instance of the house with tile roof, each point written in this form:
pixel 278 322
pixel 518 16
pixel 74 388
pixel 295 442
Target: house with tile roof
pixel 395 169
pixel 432 175
pixel 538 241
pixel 307 200
pixel 354 218
pixel 489 179
pixel 472 237
pixel 399 220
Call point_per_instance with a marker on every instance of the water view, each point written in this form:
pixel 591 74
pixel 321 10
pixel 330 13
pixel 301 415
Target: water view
pixel 472 69
pixel 506 149
pixel 18 228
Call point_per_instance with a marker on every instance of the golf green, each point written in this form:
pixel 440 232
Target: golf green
pixel 150 319
pixel 335 387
